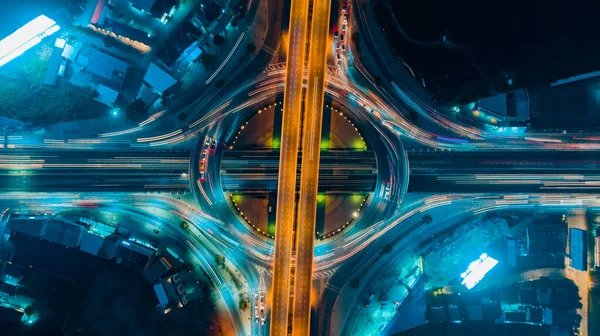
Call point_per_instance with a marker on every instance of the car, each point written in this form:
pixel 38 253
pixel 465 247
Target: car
pixel 255 296
pixel 345 22
pixel 255 311
pixel 202 176
pixel 342 37
pixel 339 56
pixel 367 303
pixel 387 186
pixel 204 155
pixel 262 298
pixel 337 47
pixel 345 16
pixel 256 319
pixel 335 34
pixel 262 321
pixel 343 47
pixel 344 7
pixel 339 62
pixel 344 28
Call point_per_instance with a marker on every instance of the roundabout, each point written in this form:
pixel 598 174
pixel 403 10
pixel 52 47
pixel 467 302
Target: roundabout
pixel 240 167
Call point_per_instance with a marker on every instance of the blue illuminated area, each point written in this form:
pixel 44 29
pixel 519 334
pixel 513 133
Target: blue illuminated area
pixel 26 37
pixel 477 270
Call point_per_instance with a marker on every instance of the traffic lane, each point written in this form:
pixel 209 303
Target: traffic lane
pixel 512 182
pixel 290 141
pixel 355 182
pixel 46 183
pixel 64 160
pixel 533 159
pixel 252 161
pixel 85 154
pixel 307 209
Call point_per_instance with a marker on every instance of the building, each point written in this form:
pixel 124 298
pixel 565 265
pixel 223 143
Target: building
pixel 91 242
pixel 29 225
pixel 142 5
pixel 509 109
pixel 109 70
pixel 158 269
pixel 578 248
pixel 547 239
pixel 106 95
pixel 515 316
pixel 10 276
pixel 474 312
pixel 156 82
pixel 110 247
pixel 535 315
pixel 170 291
pixel 65 233
pixel 182 39
pixel 53 69
pixel 134 255
pixel 99 12
pixel 161 9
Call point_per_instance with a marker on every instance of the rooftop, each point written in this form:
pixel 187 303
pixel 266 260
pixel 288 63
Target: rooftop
pixel 103 65
pixel 158 79
pixel 144 5
pixel 550 238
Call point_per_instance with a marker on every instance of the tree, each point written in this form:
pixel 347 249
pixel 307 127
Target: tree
pixel 218 40
pixel 219 84
pixel 185 225
pixel 136 109
pixel 250 48
pixel 207 59
pixel 220 260
pixel 243 304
